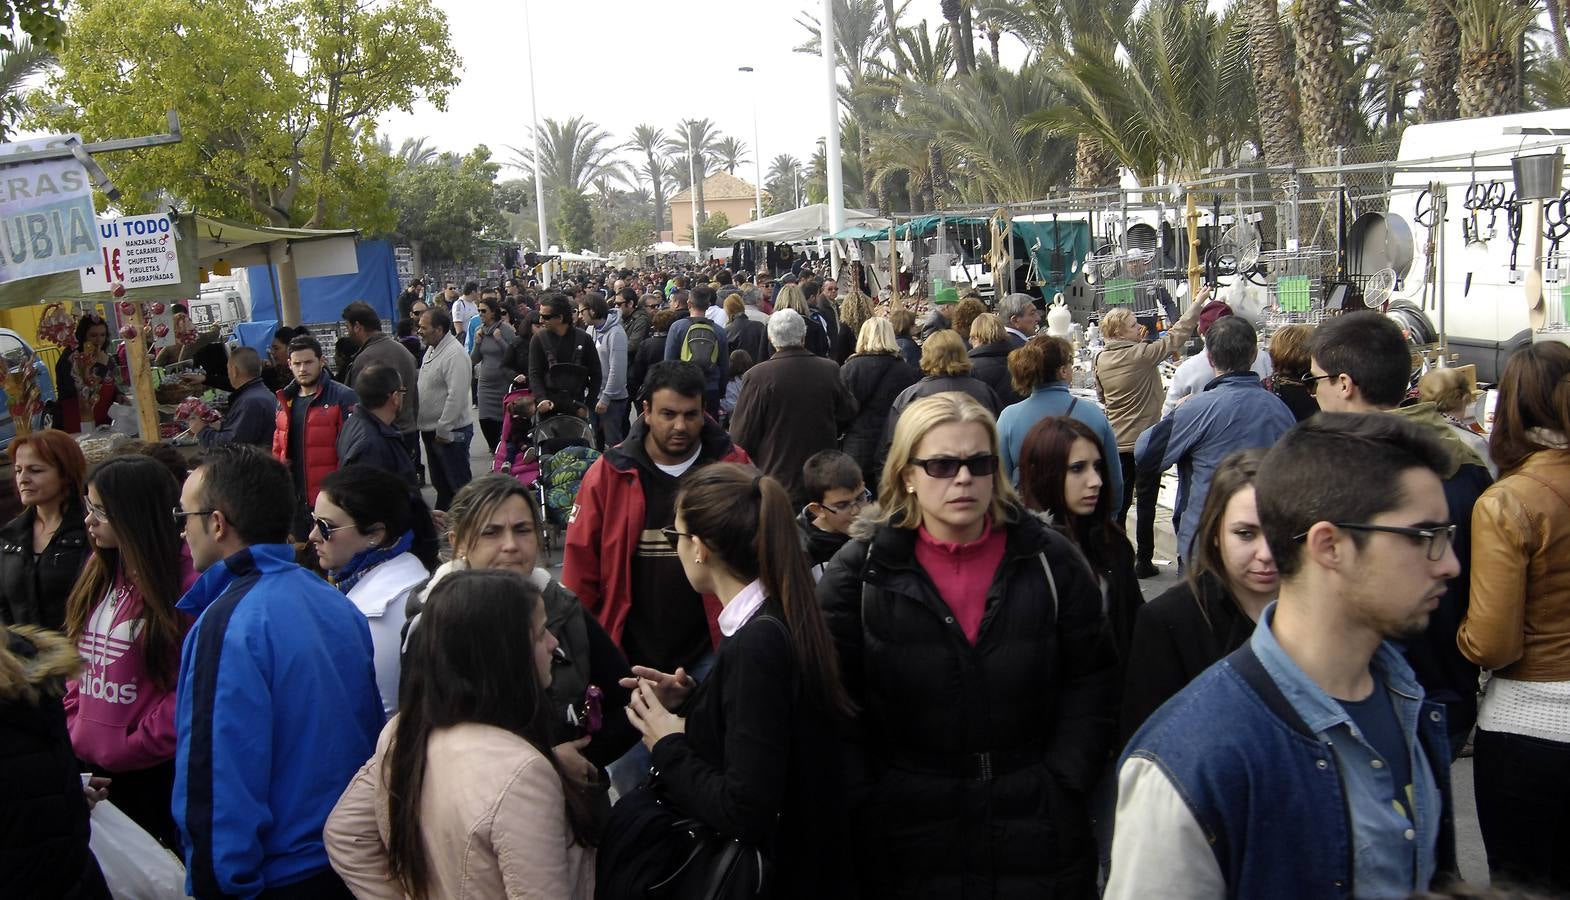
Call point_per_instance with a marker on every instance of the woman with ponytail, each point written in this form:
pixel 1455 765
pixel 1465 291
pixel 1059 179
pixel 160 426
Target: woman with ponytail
pixel 367 530
pixel 752 752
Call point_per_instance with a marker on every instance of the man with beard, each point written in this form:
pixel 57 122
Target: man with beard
pixel 1332 770
pixel 617 559
pixel 311 412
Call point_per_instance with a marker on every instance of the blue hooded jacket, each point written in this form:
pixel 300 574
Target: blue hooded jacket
pixel 277 710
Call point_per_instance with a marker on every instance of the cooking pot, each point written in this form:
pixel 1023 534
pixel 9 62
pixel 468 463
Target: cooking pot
pixel 1379 241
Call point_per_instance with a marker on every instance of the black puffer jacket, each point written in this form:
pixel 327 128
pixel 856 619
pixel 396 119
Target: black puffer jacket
pixel 989 364
pixel 33 588
pixel 1037 694
pixel 874 380
pixel 43 817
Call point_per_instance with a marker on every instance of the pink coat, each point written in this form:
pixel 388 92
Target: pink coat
pixel 119 720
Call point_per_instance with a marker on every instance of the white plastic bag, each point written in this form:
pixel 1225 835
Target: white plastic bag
pixel 135 865
pixel 122 418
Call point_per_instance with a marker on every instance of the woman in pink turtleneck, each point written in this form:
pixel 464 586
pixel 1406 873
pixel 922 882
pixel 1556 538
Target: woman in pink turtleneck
pixel 972 638
pixel 121 615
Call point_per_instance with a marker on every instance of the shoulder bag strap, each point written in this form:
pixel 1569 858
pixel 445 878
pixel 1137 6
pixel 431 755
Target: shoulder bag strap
pixel 1072 402
pixel 1052 584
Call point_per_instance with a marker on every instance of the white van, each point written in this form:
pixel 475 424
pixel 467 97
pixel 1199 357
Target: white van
pixel 1485 312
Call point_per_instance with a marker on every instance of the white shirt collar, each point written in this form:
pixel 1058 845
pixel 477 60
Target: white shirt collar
pixel 741 608
pixel 1015 331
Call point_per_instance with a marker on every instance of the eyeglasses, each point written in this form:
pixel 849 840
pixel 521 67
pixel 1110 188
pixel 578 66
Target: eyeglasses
pixel 96 511
pixel 948 466
pixel 1311 381
pixel 845 505
pixel 1439 538
pixel 673 536
pixel 181 515
pixel 325 527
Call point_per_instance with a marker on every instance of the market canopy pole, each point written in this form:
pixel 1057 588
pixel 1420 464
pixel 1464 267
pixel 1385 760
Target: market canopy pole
pixel 1195 270
pixel 831 149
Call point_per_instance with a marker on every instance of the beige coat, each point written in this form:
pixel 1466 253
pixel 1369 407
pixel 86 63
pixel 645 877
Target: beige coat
pixel 1128 377
pixel 1518 619
pixel 493 816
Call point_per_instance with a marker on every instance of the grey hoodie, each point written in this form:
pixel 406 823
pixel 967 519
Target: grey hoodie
pixel 610 339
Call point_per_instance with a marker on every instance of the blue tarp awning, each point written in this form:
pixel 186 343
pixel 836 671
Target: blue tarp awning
pixel 323 299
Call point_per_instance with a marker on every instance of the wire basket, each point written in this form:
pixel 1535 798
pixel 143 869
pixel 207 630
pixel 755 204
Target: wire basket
pixel 1140 296
pixel 1297 288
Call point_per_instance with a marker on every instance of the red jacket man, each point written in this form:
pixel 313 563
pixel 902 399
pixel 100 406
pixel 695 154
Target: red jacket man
pixel 310 451
pixel 616 559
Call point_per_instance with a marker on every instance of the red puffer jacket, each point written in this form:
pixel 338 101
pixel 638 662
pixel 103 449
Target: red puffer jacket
pixel 330 408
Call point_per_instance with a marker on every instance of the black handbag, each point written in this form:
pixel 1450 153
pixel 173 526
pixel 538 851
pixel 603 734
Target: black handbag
pixel 653 852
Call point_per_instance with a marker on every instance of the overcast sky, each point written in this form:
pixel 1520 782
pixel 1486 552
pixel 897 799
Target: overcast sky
pixel 620 63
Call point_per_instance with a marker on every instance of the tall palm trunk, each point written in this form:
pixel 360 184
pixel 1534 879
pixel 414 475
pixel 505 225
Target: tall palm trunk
pixel 1094 165
pixel 1556 24
pixel 1322 79
pixel 659 194
pixel 968 33
pixel 1486 82
pixel 937 176
pixel 1441 55
pixel 1280 136
pixel 951 15
pixel 702 214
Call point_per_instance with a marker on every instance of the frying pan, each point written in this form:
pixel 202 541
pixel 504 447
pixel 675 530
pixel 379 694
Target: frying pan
pixel 1380 241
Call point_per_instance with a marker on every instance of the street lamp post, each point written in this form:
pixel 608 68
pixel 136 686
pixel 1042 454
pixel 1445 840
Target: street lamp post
pixel 832 146
pixel 534 115
pixel 757 152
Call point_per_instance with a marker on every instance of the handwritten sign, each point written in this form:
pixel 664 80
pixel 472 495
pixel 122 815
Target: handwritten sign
pixel 137 251
pixel 46 213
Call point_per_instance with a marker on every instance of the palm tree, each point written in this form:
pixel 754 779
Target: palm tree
pixel 784 179
pixel 697 139
pixel 1383 36
pixel 574 153
pixel 1492 32
pixel 1323 78
pixel 1441 58
pixel 731 152
pixel 650 142
pixel 16 67
pixel 1281 139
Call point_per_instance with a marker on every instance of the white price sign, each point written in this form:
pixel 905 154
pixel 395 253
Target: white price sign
pixel 137 251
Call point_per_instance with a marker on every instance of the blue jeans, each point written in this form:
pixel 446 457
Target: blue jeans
pixel 633 767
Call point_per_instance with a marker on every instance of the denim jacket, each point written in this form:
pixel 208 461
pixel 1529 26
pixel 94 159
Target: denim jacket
pixel 1286 800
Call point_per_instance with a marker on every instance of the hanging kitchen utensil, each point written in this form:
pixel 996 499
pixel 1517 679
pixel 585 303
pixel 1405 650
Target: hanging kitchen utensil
pixel 1496 202
pixel 1476 200
pixel 1377 290
pixel 1513 228
pixel 1056 267
pixel 1381 241
pixel 1557 217
pixel 1536 313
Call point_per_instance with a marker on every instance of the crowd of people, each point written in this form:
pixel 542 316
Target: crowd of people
pixel 847 607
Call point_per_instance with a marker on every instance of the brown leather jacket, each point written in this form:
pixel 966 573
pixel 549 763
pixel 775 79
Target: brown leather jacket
pixel 1518 622
pixel 1128 377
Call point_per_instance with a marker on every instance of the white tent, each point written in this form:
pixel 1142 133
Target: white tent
pixel 672 247
pixel 809 223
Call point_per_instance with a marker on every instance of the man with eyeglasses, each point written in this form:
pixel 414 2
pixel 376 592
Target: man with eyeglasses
pixel 1360 362
pixel 635 318
pixel 1308 762
pixel 278 705
pixel 370 437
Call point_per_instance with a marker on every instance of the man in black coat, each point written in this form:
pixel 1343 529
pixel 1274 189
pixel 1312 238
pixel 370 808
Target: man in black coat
pixel 558 343
pixel 791 406
pixel 369 437
pixel 253 409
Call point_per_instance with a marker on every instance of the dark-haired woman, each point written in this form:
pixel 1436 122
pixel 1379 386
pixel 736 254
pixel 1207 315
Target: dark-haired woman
pixel 1229 581
pixel 1063 472
pixel 972 638
pixel 1515 624
pixel 365 529
pixel 42 550
pixel 463 797
pixel 88 378
pixel 491 343
pixel 121 615
pixel 753 750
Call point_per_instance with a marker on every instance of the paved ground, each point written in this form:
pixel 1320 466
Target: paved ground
pixel 1469 843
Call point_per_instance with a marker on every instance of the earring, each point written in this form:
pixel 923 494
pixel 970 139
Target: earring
pixel 910 489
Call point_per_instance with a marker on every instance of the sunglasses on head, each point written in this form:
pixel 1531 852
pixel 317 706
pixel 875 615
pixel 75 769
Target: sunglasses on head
pixel 949 466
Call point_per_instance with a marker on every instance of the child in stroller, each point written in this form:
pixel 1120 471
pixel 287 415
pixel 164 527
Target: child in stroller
pixel 515 453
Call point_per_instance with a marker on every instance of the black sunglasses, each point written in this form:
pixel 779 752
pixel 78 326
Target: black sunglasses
pixel 181 515
pixel 1311 381
pixel 325 527
pixel 948 466
pixel 673 536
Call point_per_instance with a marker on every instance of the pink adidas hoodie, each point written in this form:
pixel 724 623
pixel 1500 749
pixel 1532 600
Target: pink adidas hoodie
pixel 118 718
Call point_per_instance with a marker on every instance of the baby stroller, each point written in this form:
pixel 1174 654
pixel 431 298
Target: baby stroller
pixel 565 444
pixel 515 452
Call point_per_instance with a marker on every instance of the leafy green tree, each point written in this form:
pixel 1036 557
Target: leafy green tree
pixel 447 204
pixel 277 101
pixel 42 23
pixel 575 221
pixel 633 236
pixel 713 227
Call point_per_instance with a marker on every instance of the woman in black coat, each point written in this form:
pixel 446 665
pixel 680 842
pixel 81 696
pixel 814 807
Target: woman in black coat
pixel 43 549
pixel 1230 580
pixel 1062 472
pixel 874 375
pixel 972 640
pixel 989 358
pixel 650 352
pixel 753 751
